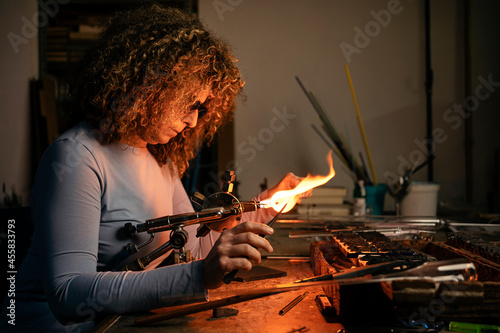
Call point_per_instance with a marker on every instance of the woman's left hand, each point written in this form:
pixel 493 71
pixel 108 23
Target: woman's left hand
pixel 289 182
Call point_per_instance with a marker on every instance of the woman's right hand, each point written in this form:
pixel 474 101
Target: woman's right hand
pixel 233 250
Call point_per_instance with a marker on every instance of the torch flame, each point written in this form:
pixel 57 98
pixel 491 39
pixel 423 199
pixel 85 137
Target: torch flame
pixel 291 197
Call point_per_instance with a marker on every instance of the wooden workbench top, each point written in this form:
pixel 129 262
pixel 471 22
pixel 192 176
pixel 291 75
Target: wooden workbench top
pixel 259 315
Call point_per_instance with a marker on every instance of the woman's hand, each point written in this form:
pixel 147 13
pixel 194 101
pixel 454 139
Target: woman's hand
pixel 289 182
pixel 233 250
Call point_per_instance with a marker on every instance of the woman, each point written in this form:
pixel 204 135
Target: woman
pixel 155 88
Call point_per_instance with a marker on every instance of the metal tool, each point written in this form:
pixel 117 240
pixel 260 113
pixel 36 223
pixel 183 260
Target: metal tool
pixel 230 276
pixel 219 211
pixel 293 303
pixel 438 271
pixel 352 273
pixel 399 189
pixel 447 270
pixel 184 311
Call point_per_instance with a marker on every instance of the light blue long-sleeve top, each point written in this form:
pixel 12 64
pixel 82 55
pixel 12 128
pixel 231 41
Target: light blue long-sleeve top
pixel 84 193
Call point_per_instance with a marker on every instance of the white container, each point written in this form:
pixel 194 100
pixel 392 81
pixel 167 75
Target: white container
pixel 421 200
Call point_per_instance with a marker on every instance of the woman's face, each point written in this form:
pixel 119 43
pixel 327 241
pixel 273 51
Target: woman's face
pixel 171 129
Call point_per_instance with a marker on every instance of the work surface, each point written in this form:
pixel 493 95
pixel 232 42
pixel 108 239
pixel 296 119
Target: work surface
pixel 262 315
pixel 258 315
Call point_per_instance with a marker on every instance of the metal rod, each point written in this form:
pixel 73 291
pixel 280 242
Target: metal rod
pixel 141 263
pixel 205 216
pixel 468 135
pixel 293 303
pixel 170 222
pixel 429 80
pixel 206 306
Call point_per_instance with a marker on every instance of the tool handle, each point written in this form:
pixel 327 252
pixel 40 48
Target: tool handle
pixel 230 276
pixel 469 327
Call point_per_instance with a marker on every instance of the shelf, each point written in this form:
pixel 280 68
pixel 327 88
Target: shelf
pixel 62 41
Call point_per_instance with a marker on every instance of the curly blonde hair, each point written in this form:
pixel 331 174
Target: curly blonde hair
pixel 145 71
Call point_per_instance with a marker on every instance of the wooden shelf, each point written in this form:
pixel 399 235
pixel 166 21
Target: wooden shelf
pixel 62 41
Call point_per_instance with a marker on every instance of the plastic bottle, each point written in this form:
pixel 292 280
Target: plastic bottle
pixel 359 196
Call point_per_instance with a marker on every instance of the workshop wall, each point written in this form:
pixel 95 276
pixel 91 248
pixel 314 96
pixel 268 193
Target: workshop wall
pixel 383 44
pixel 18 64
pixel 276 40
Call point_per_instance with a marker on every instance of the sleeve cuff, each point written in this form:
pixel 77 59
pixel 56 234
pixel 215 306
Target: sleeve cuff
pixel 198 280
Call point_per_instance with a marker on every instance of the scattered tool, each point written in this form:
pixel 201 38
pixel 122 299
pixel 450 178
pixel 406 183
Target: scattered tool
pixel 293 303
pixel 224 312
pixel 325 307
pixel 446 270
pixel 190 309
pixel 473 328
pixel 358 272
pixel 438 271
pixel 399 189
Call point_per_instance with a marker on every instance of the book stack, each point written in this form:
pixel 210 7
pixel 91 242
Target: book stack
pixel 70 38
pixel 82 40
pixel 325 201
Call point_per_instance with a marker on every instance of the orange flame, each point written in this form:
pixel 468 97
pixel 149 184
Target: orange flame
pixel 291 197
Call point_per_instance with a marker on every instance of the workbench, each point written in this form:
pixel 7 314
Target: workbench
pixel 258 315
pixel 262 315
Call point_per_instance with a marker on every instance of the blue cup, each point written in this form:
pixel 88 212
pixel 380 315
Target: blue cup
pixel 375 195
